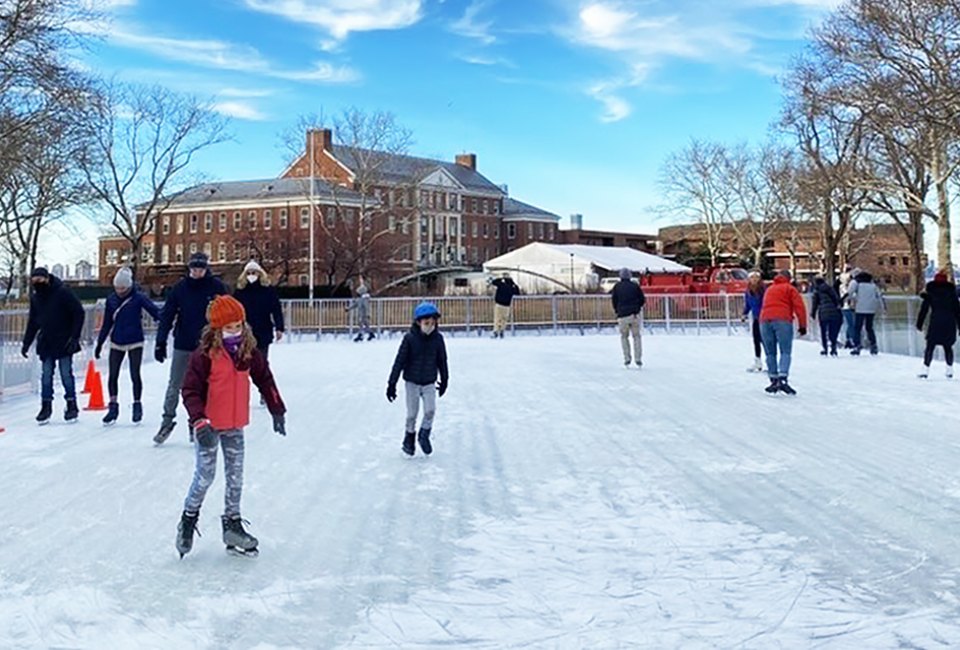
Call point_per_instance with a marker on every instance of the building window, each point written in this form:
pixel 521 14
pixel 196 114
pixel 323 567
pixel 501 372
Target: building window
pixel 348 216
pixel 496 231
pixel 906 261
pixel 179 257
pixel 252 218
pixel 222 251
pixel 540 231
pixel 165 254
pixel 304 218
pixel 208 222
pixel 476 229
pixel 237 221
pixel 879 261
pixel 283 218
pixel 893 261
pixel 392 223
pixel 330 218
pixel 423 226
pixel 166 224
pixel 529 231
pixel 179 224
pixel 550 231
pixel 511 230
pixel 208 249
pixel 454 202
pixel 237 251
pixel 496 207
pixel 267 219
pixel 266 250
pixel 473 206
pixel 194 222
pixel 304 279
pixel 193 247
pixel 223 222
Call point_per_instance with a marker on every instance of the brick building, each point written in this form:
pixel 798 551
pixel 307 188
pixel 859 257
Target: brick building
pixel 577 235
pixel 388 215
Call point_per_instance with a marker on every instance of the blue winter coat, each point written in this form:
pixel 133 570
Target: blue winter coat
pixel 420 358
pixel 264 313
pixel 185 311
pixel 126 326
pixel 627 298
pixel 753 302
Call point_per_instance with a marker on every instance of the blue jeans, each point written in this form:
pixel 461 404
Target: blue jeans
pixel 66 378
pixel 777 334
pixel 849 319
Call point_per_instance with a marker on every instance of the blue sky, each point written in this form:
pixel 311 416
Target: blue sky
pixel 573 103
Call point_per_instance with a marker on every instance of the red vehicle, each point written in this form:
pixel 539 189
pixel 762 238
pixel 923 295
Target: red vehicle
pixel 713 279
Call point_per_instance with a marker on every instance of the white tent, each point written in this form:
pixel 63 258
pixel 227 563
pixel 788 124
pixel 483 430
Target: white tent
pixel 548 268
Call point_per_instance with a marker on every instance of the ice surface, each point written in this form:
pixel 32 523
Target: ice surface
pixel 568 503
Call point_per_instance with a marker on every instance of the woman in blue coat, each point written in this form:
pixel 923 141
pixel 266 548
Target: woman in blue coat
pixel 753 301
pixel 123 325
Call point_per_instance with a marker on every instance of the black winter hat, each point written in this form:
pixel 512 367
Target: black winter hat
pixel 198 260
pixel 40 272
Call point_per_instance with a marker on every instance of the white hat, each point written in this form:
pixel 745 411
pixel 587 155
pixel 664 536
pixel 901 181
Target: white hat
pixel 252 267
pixel 123 279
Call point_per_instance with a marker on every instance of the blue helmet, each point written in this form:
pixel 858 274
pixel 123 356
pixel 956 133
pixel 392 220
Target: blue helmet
pixel 425 310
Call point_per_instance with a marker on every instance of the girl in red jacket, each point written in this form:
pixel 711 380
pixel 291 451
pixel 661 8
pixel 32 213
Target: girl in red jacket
pixel 216 392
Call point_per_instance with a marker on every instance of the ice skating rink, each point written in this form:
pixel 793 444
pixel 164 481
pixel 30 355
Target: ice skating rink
pixel 569 503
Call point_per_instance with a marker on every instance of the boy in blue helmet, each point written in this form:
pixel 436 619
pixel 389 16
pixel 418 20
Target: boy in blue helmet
pixel 421 358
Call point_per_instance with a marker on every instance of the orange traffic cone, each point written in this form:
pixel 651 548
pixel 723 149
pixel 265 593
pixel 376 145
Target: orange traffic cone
pixel 96 395
pixel 88 382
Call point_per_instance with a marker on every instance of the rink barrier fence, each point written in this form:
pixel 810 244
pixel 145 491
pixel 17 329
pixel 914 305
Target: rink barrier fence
pixel 579 314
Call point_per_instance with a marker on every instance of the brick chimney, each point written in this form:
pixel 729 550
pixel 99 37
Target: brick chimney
pixel 467 160
pixel 322 139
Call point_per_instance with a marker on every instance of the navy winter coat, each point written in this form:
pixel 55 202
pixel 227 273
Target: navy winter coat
pixel 264 312
pixel 753 302
pixel 940 301
pixel 126 326
pixel 506 290
pixel 826 303
pixel 628 298
pixel 420 358
pixel 56 321
pixel 187 305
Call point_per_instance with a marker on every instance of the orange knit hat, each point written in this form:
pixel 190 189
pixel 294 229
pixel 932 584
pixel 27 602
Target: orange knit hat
pixel 225 310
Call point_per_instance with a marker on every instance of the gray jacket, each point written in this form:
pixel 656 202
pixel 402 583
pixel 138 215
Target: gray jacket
pixel 362 304
pixel 865 296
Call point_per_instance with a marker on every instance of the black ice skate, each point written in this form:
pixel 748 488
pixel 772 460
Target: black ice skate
pixel 46 410
pixel 137 412
pixel 166 428
pixel 424 439
pixel 185 530
pixel 237 540
pixel 371 336
pixel 358 337
pixel 408 443
pixel 786 388
pixel 72 412
pixel 113 412
pixel 774 386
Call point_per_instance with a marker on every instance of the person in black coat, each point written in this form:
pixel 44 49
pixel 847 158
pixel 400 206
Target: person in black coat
pixel 827 307
pixel 506 289
pixel 628 300
pixel 940 302
pixel 422 357
pixel 260 300
pixel 185 312
pixel 56 323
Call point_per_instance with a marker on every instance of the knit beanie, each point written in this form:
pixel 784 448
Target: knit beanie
pixel 625 273
pixel 40 272
pixel 225 310
pixel 123 279
pixel 252 267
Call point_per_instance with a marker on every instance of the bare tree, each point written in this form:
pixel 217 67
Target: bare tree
pixel 144 141
pixel 694 185
pixel 758 212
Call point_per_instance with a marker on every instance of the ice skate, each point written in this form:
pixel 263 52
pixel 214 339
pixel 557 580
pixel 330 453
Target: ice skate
pixel 923 374
pixel 185 530
pixel 237 540
pixel 113 413
pixel 408 443
pixel 424 439
pixel 137 412
pixel 72 412
pixel 46 410
pixel 949 372
pixel 773 387
pixel 786 388
pixel 166 428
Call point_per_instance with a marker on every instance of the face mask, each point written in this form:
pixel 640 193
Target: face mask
pixel 252 278
pixel 427 328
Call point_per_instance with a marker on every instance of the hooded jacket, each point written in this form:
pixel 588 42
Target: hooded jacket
pixel 125 327
pixel 782 302
pixel 627 298
pixel 865 296
pixel 420 358
pixel 940 302
pixel 264 311
pixel 506 290
pixel 187 307
pixel 55 321
pixel 826 302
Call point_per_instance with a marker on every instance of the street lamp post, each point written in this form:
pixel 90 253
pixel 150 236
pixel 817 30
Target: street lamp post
pixel 571 273
pixel 312 219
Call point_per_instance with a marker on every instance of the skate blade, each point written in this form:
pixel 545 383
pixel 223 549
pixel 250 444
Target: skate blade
pixel 240 552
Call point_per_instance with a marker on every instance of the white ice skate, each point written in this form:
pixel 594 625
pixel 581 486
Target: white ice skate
pixel 756 367
pixel 949 372
pixel 923 374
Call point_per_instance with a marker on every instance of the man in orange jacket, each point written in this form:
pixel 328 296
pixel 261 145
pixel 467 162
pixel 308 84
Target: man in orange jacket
pixel 781 304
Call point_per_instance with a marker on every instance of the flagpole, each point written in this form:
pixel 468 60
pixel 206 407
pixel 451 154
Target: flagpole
pixel 312 218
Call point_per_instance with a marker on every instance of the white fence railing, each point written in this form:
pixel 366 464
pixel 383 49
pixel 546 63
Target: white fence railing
pixel 682 313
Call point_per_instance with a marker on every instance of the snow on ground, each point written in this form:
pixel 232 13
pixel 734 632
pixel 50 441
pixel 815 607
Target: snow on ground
pixel 569 503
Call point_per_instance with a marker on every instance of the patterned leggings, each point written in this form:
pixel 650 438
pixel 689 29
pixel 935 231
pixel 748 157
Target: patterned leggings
pixel 206 470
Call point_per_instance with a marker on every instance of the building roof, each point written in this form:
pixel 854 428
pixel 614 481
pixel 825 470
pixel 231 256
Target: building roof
pixel 515 209
pixel 608 258
pixel 397 168
pixel 260 190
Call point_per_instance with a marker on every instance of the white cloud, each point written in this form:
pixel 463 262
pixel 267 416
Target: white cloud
pixel 341 17
pixel 239 110
pixel 615 107
pixel 468 25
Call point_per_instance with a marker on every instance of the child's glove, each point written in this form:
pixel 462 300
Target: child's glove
pixel 279 425
pixel 391 393
pixel 441 388
pixel 205 434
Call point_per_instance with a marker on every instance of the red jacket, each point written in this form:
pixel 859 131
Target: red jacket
pixel 217 389
pixel 783 302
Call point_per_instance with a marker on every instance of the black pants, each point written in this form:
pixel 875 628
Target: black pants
pixel 757 339
pixel 116 360
pixel 864 320
pixel 829 332
pixel 264 349
pixel 931 347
